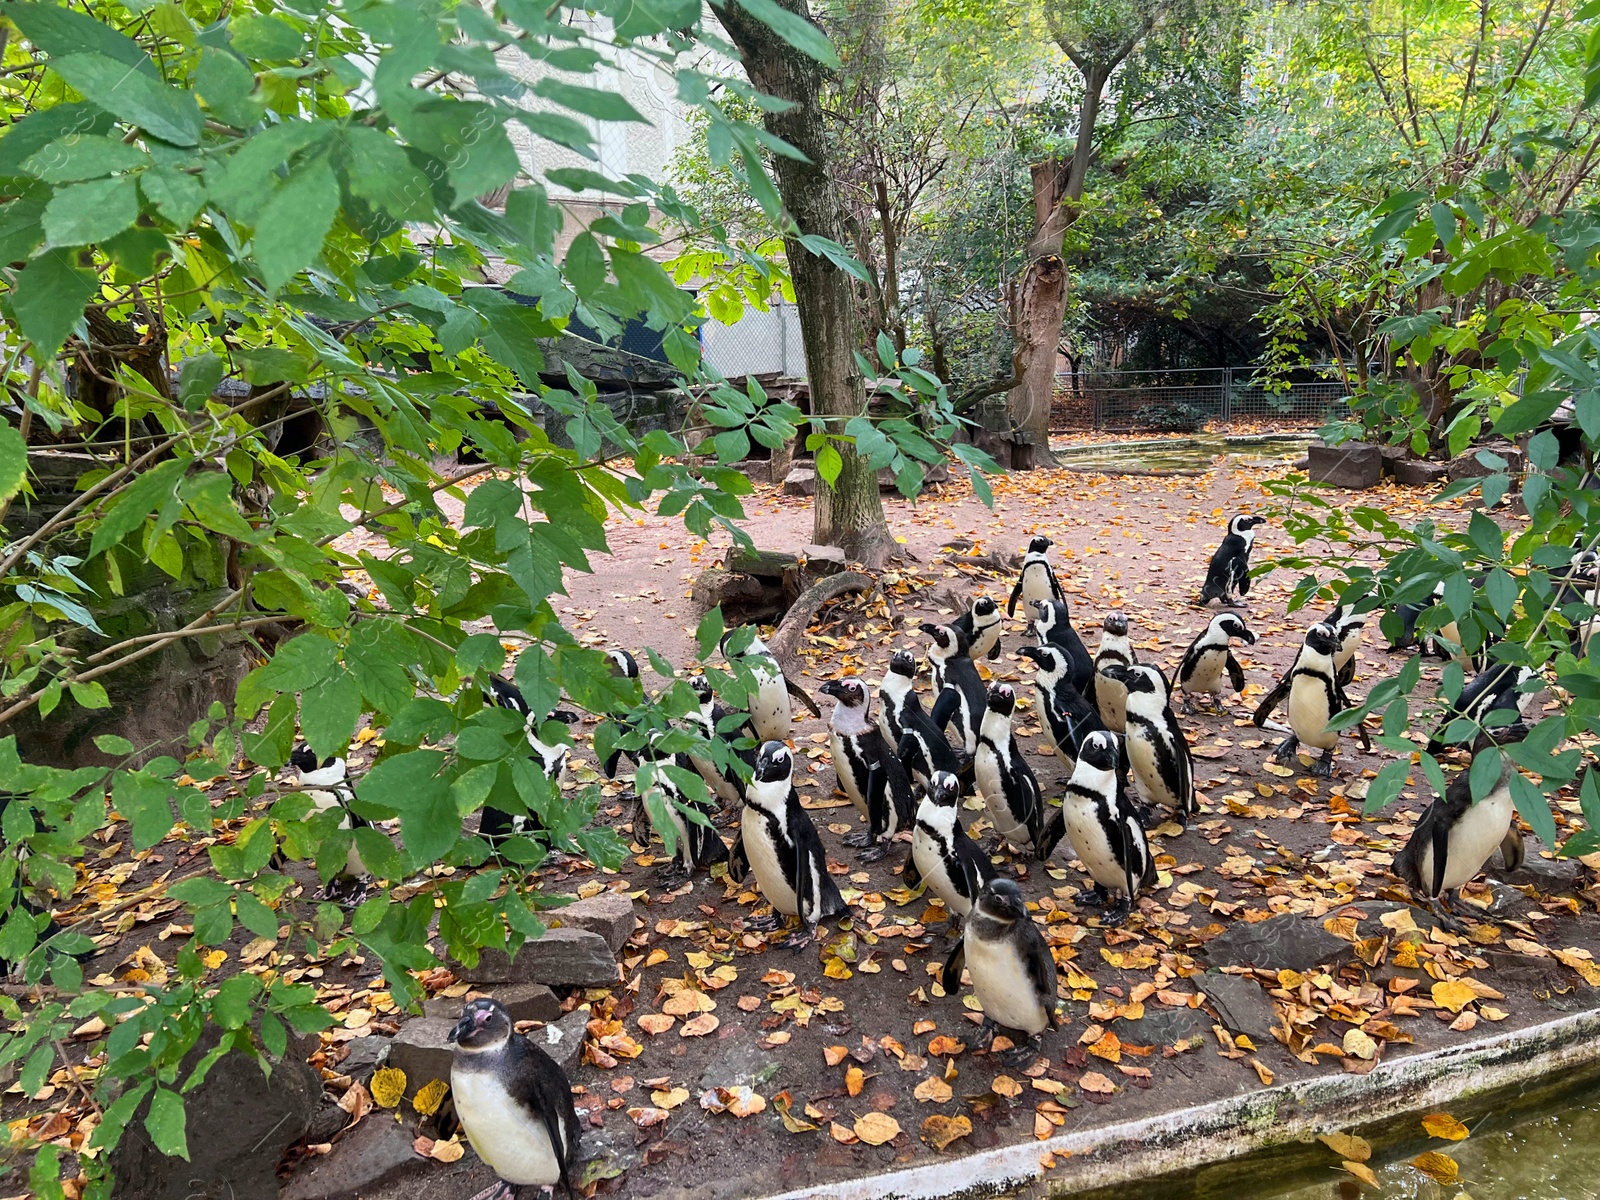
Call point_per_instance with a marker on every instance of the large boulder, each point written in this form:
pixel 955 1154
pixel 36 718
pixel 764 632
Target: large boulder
pixel 1283 942
pixel 1347 465
pixel 562 957
pixel 423 1050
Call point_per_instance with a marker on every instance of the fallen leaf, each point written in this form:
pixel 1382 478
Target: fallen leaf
pixel 388 1087
pixel 939 1131
pixel 1263 1071
pixel 784 1103
pixel 1004 1085
pixel 1358 1044
pixel 699 1026
pixel 834 1055
pixel 933 1090
pixel 447 1151
pixel 1093 1081
pixel 1441 1168
pixel 1347 1145
pixel 645 1118
pixel 428 1098
pixel 356 1101
pixel 1362 1172
pixel 656 1023
pixel 943 1047
pixel 876 1128
pixel 854 1080
pixel 842 1133
pixel 1443 1125
pixel 1453 994
pixel 669 1099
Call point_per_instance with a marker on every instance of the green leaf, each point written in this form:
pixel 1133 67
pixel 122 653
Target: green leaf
pixel 49 299
pixel 165 1123
pixel 129 510
pixel 134 97
pixel 91 212
pixel 110 743
pixel 602 106
pixel 291 228
pixel 1501 589
pixel 1387 785
pixel 1485 772
pixel 329 712
pixel 199 379
pixel 176 194
pixel 227 85
pixel 793 29
pixel 1534 808
pixel 585 265
pixel 61 31
pixel 581 179
pixel 230 1007
pixel 836 254
pixel 83 156
pixel 411 784
pixel 469 137
pixel 829 464
pixel 13 461
pixel 146 803
pixel 1485 535
pixel 886 354
pixel 209 497
pixel 382 173
pixel 268 37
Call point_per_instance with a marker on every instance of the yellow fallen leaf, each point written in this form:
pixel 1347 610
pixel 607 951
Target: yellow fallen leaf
pixel 388 1087
pixel 836 968
pixel 699 1026
pixel 1359 1044
pixel 876 1128
pixel 1439 1167
pixel 939 1131
pixel 669 1099
pixel 656 1023
pixel 214 958
pixel 1362 1172
pixel 933 1090
pixel 1347 1145
pixel 1263 1071
pixel 784 1103
pixel 1453 994
pixel 854 1080
pixel 834 1055
pixel 842 1133
pixel 1443 1125
pixel 1004 1085
pixel 428 1098
pixel 447 1151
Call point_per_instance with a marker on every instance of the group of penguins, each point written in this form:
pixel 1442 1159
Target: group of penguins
pixel 1108 717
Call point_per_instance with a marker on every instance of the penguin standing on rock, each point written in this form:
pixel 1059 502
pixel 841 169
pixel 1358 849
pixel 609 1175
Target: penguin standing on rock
pixel 982 626
pixel 942 855
pixel 327 787
pixel 1228 576
pixel 895 695
pixel 867 769
pixel 779 845
pixel 770 715
pixel 1210 656
pixel 1037 579
pixel 1454 837
pixel 1116 649
pixel 1012 972
pixel 1104 829
pixel 1163 769
pixel 1067 716
pixel 514 1101
pixel 960 689
pixel 1010 790
pixel 1052 623
pixel 1314 698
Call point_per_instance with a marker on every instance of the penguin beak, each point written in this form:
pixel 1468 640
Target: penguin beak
pixel 929 628
pixel 462 1027
pixel 1032 652
pixel 832 688
pixel 1247 637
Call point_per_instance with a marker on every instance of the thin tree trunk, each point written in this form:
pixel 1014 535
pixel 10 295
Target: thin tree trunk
pixel 850 513
pixel 891 269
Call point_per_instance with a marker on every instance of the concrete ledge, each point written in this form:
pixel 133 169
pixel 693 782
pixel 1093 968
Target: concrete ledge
pixel 1124 1155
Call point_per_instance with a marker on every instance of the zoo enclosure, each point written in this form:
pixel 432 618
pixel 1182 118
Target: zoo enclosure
pixel 1183 400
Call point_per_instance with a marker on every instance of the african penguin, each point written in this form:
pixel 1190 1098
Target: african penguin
pixel 1067 716
pixel 982 624
pixel 496 825
pixel 1163 769
pixel 1052 623
pixel 674 799
pixel 623 666
pixel 895 695
pixel 959 691
pixel 1228 576
pixel 867 769
pixel 1578 599
pixel 780 846
pixel 1013 974
pixel 942 855
pixel 923 748
pixel 1103 827
pixel 769 702
pixel 1454 837
pixel 1314 697
pixel 1116 648
pixel 326 785
pixel 514 1101
pixel 707 720
pixel 1010 790
pixel 1210 657
pixel 1497 688
pixel 1347 625
pixel 1037 579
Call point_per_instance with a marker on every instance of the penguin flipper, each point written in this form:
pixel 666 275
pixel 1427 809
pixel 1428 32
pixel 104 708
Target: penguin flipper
pixel 945 707
pixel 1054 830
pixel 994 651
pixel 1016 591
pixel 912 875
pixel 1235 672
pixel 876 790
pixel 1441 852
pixel 1512 851
pixel 1041 967
pixel 800 694
pixel 950 973
pixel 1273 698
pixel 1055 586
pixel 738 859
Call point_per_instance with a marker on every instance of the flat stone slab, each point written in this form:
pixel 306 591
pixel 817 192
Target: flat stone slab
pixel 609 914
pixel 373 1153
pixel 523 1001
pixel 1283 942
pixel 1164 1027
pixel 1242 1004
pixel 1416 472
pixel 1348 465
pixel 800 481
pixel 562 957
pixel 422 1051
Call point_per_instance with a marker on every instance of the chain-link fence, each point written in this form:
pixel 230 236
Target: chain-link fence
pixel 759 343
pixel 1184 400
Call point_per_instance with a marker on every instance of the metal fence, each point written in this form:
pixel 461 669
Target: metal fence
pixel 759 343
pixel 1189 399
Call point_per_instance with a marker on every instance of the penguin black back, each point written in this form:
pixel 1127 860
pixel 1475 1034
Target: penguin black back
pixel 1053 623
pixel 1228 574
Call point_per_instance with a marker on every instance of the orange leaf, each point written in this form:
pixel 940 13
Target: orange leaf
pixel 1443 1125
pixel 1093 1081
pixel 656 1023
pixel 699 1026
pixel 943 1046
pixel 834 1055
pixel 1004 1085
pixel 854 1080
pixel 933 1090
pixel 1441 1168
pixel 939 1131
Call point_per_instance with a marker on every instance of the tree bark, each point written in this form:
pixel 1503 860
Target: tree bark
pixel 849 514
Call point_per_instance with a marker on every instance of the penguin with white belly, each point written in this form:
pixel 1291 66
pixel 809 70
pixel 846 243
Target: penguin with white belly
pixel 1163 769
pixel 981 624
pixel 495 826
pixel 895 695
pixel 1314 698
pixel 1210 657
pixel 514 1102
pixel 1228 575
pixel 1013 974
pixel 1010 790
pixel 1455 835
pixel 1347 625
pixel 1052 623
pixel 327 786
pixel 1498 688
pixel 1116 649
pixel 961 696
pixel 1104 829
pixel 942 855
pixel 779 845
pixel 867 769
pixel 1037 579
pixel 725 782
pixel 769 703
pixel 1067 716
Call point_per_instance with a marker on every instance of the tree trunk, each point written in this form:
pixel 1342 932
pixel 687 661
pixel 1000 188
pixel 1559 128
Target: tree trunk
pixel 850 513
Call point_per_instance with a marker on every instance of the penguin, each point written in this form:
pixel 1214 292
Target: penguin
pixel 960 692
pixel 1163 769
pixel 769 702
pixel 1116 649
pixel 1443 643
pixel 1314 697
pixel 1347 626
pixel 326 785
pixel 923 748
pixel 1013 974
pixel 1052 623
pixel 1454 837
pixel 779 845
pixel 623 666
pixel 895 695
pixel 1578 598
pixel 1010 789
pixel 867 769
pixel 31 898
pixel 982 625
pixel 1037 579
pixel 696 845
pixel 726 783
pixel 1498 688
pixel 942 855
pixel 496 825
pixel 1104 829
pixel 1065 713
pixel 1209 656
pixel 514 1101
pixel 1228 575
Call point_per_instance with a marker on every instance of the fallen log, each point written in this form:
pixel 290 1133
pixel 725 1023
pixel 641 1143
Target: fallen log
pixel 785 640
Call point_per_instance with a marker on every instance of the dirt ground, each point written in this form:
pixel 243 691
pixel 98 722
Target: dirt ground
pixel 854 1059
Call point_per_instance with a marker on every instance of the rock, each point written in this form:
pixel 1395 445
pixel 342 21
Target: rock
pixel 239 1123
pixel 1547 874
pixel 766 564
pixel 800 481
pixel 1418 472
pixel 1348 465
pixel 1468 465
pixel 1278 943
pixel 1390 458
pixel 740 1063
pixel 330 1120
pixel 573 957
pixel 716 586
pixel 1164 1027
pixel 422 1050
pixel 365 1055
pixel 563 1040
pixel 938 473
pixel 756 470
pixel 609 914
pixel 1241 1003
pixel 374 1152
pixel 823 560
pixel 528 1001
pixel 1507 967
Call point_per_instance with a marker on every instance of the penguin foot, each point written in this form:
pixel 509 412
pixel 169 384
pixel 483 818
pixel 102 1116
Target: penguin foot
pixel 987 1030
pixel 347 891
pixel 1117 913
pixel 1322 768
pixel 857 840
pixel 873 854
pixel 1101 897
pixel 1022 1055
pixel 673 875
pixel 1285 748
pixel 764 924
pixel 799 939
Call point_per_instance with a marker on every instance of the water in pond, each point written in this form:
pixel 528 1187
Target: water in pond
pixel 1199 452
